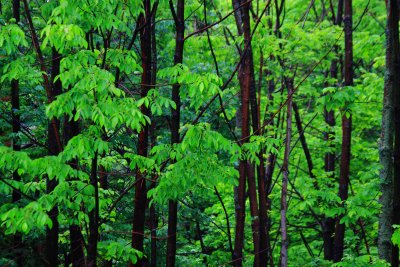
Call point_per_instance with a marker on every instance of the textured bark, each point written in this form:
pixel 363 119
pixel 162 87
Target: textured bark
pixel 179 16
pixel 392 88
pixel 346 131
pixel 238 16
pixel 140 201
pixel 285 179
pixel 245 80
pixel 252 188
pixel 389 146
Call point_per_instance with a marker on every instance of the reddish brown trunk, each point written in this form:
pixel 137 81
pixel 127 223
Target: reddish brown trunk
pixel 245 79
pixel 143 142
pixel 346 130
pixel 179 16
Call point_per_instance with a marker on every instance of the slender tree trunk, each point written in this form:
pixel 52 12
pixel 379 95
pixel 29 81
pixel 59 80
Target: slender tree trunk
pixel 255 223
pixel 76 255
pixel 54 148
pixel 285 178
pixel 245 80
pixel 54 143
pixel 328 224
pixel 252 188
pixel 389 153
pixel 346 130
pixel 304 145
pixel 269 171
pixel 152 133
pixel 179 17
pixel 139 214
pixel 16 128
pixel 93 217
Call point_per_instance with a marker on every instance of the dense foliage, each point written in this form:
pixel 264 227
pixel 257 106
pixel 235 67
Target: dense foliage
pixel 89 172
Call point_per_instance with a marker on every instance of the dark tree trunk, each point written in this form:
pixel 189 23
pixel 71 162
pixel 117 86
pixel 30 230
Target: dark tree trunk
pixel 245 80
pixel 76 255
pixel 285 178
pixel 152 133
pixel 390 103
pixel 394 25
pixel 16 128
pixel 179 16
pixel 304 145
pixel 255 223
pixel 328 224
pixel 139 214
pixel 54 143
pixel 54 148
pixel 93 218
pixel 346 130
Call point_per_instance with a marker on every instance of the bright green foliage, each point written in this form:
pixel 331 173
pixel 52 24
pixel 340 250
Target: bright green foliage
pixel 101 86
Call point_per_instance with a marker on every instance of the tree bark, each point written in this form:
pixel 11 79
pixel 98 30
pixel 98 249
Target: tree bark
pixel 140 201
pixel 179 17
pixel 245 80
pixel 328 224
pixel 396 121
pixel 346 131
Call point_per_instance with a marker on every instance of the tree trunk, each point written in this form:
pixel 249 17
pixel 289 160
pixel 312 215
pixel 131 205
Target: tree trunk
pixel 93 217
pixel 139 214
pixel 179 16
pixel 346 131
pixel 328 224
pixel 16 128
pixel 395 64
pixel 285 178
pixel 245 80
pixel 76 254
pixel 54 148
pixel 152 133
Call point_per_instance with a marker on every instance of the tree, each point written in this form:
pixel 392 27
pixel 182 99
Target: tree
pixel 388 173
pixel 112 153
